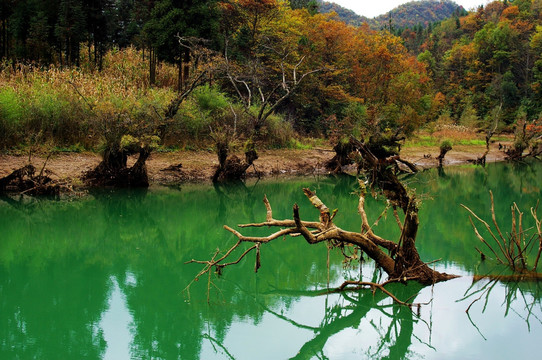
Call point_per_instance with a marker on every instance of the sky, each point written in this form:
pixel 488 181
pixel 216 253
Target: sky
pixel 372 8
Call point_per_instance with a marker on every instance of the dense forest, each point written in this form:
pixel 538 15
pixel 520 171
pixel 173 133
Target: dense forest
pixel 260 70
pixel 485 66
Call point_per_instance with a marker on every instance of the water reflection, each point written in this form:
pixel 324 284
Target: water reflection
pixel 115 325
pixel 517 298
pixel 68 268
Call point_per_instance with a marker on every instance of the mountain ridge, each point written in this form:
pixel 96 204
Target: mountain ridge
pixel 413 13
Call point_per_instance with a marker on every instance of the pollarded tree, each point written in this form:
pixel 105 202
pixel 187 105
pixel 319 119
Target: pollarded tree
pixel 126 136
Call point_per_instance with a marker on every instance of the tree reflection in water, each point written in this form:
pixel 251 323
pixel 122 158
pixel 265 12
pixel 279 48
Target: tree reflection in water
pixel 521 298
pixel 390 327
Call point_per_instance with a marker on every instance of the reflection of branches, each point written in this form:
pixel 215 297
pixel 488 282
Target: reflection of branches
pixel 373 286
pixel 214 341
pixel 397 338
pixel 347 311
pixel 514 290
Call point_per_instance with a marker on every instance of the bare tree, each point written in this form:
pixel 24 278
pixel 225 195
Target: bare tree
pixel 261 94
pixel 512 248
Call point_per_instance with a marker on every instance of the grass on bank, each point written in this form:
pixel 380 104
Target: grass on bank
pixel 457 135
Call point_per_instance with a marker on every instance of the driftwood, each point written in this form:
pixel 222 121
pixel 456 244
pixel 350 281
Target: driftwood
pixel 25 181
pixel 400 259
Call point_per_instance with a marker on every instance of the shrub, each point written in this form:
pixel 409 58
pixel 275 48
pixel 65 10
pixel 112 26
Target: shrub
pixel 277 132
pixel 445 146
pixel 11 113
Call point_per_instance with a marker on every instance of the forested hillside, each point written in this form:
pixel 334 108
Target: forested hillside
pixel 486 66
pixel 346 15
pixel 185 72
pixel 414 13
pixel 253 69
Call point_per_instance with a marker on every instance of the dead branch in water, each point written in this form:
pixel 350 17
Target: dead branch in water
pixel 401 264
pixel 400 260
pixel 512 249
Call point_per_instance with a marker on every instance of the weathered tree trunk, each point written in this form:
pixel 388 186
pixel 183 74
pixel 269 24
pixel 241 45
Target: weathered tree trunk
pixel 342 157
pixel 138 173
pixel 443 151
pixel 113 170
pixel 482 159
pixel 231 168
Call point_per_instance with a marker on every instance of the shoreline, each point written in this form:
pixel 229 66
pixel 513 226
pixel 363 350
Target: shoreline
pixel 198 166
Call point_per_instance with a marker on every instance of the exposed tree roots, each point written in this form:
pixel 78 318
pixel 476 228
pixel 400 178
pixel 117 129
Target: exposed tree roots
pixel 342 157
pixel 232 168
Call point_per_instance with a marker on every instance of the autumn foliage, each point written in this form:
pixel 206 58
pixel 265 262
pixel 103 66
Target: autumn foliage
pixel 470 69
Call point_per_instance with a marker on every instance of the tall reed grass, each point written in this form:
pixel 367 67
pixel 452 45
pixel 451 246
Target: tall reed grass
pixel 74 107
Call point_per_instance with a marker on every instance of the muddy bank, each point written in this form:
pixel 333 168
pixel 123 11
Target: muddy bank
pixel 189 166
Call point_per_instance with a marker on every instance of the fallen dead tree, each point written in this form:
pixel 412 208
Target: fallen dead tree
pixel 399 259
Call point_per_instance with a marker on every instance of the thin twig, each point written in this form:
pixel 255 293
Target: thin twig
pixel 374 286
pixel 505 253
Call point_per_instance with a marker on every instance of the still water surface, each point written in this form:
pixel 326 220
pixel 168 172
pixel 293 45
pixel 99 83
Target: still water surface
pixel 103 276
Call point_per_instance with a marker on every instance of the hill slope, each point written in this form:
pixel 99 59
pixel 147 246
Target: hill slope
pixel 407 15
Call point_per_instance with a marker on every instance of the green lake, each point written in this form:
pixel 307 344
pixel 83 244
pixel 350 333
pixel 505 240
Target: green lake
pixel 103 276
